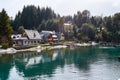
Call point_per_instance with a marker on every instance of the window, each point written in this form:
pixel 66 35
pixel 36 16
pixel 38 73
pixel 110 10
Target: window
pixel 38 41
pixel 34 35
pixel 13 42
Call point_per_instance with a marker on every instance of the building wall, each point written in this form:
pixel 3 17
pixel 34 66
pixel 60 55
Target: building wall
pixel 25 42
pixel 68 27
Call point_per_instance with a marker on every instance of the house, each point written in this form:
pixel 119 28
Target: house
pixel 68 27
pixel 28 37
pixel 49 36
pixel 18 39
pixel 68 30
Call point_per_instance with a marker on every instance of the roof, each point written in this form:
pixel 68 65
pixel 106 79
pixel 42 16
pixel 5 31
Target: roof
pixel 18 37
pixel 54 36
pixel 33 34
pixel 67 24
pixel 47 32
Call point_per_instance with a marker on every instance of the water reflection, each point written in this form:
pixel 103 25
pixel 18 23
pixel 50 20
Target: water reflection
pixel 5 66
pixel 34 64
pixel 83 63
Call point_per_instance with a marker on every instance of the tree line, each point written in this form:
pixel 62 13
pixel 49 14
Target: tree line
pixel 97 27
pixel 86 27
pixel 33 17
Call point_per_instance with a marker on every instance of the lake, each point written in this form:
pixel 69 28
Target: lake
pixel 84 63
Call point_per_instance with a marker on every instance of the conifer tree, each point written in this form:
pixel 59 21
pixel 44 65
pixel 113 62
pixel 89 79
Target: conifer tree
pixel 5 28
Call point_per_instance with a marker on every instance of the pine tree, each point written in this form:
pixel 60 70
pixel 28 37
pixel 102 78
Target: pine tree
pixel 5 28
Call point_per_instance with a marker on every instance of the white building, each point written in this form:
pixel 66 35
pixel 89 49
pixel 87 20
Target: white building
pixel 29 37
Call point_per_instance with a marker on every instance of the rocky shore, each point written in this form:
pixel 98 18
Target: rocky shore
pixel 40 48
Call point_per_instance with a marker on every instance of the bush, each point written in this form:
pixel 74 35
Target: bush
pixel 5 45
pixel 51 43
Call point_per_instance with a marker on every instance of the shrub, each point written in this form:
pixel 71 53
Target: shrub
pixel 5 45
pixel 51 43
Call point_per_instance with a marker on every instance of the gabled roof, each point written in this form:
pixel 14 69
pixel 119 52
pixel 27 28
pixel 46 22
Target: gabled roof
pixel 46 33
pixel 32 34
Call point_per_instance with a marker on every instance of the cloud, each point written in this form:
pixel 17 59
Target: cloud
pixel 116 4
pixel 64 7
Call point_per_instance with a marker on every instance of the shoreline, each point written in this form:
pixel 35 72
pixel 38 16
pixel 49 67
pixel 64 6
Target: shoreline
pixel 39 48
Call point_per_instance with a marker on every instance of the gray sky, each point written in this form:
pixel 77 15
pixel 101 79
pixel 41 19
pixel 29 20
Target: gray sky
pixel 64 7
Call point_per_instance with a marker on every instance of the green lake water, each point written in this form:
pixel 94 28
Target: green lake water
pixel 84 63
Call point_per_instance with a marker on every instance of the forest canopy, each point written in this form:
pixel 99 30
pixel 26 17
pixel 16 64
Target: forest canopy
pixel 85 25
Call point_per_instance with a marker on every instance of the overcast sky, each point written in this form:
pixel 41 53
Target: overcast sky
pixel 64 7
